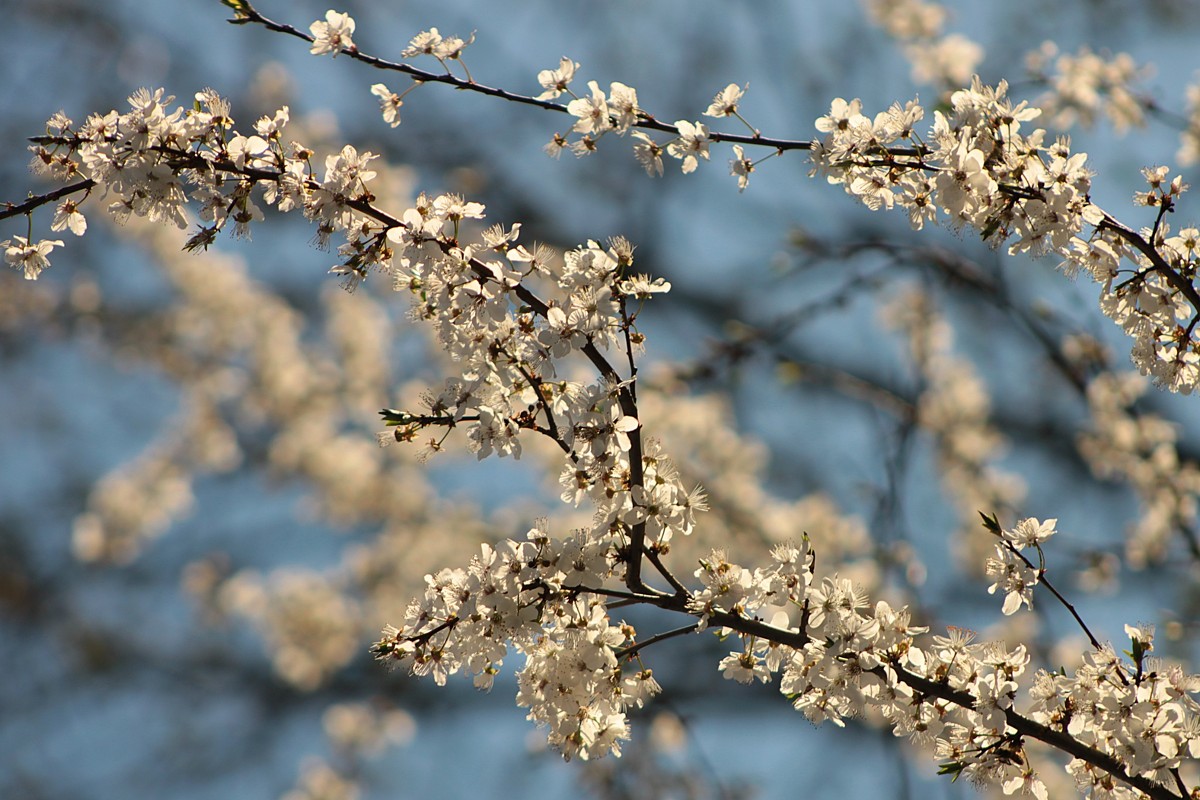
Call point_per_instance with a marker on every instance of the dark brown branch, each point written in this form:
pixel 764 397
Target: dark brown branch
pixel 13 210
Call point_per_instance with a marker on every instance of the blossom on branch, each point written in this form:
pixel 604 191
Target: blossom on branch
pixel 333 35
pixel 556 81
pixel 725 103
pixel 692 142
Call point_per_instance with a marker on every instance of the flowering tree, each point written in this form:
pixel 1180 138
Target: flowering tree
pixel 546 352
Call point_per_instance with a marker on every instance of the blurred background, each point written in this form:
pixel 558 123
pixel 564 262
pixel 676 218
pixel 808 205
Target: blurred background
pixel 199 538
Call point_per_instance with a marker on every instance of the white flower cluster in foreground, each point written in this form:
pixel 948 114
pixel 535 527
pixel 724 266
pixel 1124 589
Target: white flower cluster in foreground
pixel 979 169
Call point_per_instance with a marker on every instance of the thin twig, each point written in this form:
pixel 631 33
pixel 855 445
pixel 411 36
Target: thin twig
pixel 644 121
pixel 14 210
pixel 632 650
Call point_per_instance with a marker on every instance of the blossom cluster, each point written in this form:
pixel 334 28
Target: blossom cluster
pixel 840 656
pixel 532 596
pixel 307 623
pixel 938 58
pixel 1141 449
pixel 980 171
pixel 1013 572
pixel 1080 87
pixel 151 160
pixel 1085 84
pixel 1143 714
